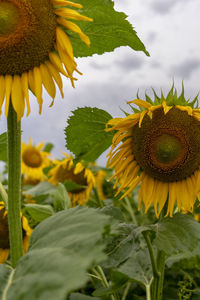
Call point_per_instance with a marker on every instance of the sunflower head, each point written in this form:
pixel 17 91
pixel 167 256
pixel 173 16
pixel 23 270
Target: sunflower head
pixel 34 160
pixel 65 170
pixel 159 146
pixel 4 234
pixel 35 48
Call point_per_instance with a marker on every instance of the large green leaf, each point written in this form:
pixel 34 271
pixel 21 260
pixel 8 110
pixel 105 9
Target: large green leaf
pixel 178 234
pixel 5 272
pixel 85 135
pixel 3 147
pixel 62 248
pixel 61 198
pixel 109 30
pixel 77 296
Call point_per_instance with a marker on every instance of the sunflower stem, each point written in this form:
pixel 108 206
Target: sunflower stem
pixel 161 269
pixel 14 186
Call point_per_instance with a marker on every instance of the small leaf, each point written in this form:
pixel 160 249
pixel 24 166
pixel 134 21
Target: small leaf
pixel 48 147
pixel 3 147
pixel 39 212
pixel 85 135
pixel 138 267
pixel 61 198
pixel 71 185
pixel 109 29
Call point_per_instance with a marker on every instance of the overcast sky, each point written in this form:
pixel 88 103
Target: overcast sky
pixel 170 31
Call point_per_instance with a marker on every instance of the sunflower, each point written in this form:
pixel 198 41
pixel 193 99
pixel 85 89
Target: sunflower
pixel 34 45
pixel 34 160
pixel 4 234
pixel 159 147
pixel 104 187
pixel 66 170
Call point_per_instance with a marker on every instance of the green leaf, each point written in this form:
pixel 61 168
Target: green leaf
pixel 122 245
pixel 77 296
pixel 48 147
pixel 76 229
pixel 138 267
pixel 109 30
pixel 43 188
pixel 47 274
pixel 62 249
pixel 85 135
pixel 4 276
pixel 71 185
pixel 3 147
pixel 39 212
pixel 178 234
pixel 61 198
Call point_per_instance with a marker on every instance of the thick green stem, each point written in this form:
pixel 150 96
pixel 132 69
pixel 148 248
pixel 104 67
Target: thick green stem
pixel 14 186
pixel 161 269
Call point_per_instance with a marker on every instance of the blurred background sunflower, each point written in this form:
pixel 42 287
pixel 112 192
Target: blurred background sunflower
pixel 34 46
pixel 159 147
pixel 34 160
pixel 79 180
pixel 4 234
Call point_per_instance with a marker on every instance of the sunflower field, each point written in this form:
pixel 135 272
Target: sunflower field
pixel 71 229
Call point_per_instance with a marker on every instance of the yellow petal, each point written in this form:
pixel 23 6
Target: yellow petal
pixel 38 86
pixel 24 81
pixel 140 103
pixel 8 87
pixel 75 28
pixel 48 81
pixel 2 91
pixel 17 97
pixel 56 76
pixel 65 2
pixel 63 40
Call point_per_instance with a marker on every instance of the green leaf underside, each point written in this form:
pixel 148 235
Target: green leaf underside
pixel 39 212
pixel 62 248
pixel 61 198
pixel 138 267
pixel 85 135
pixel 3 147
pixel 109 30
pixel 43 188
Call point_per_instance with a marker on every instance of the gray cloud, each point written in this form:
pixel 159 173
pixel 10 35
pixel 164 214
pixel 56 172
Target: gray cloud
pixel 185 68
pixel 130 63
pixel 164 7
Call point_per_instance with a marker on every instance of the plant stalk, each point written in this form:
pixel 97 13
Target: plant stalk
pixel 14 186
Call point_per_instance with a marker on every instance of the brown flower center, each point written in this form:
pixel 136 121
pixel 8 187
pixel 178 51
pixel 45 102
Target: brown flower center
pixel 32 157
pixel 27 34
pixel 4 231
pixel 64 175
pixel 167 147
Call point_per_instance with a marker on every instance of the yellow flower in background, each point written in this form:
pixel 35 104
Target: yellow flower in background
pixel 34 160
pixel 159 147
pixel 103 186
pixel 4 234
pixel 66 170
pixel 34 46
